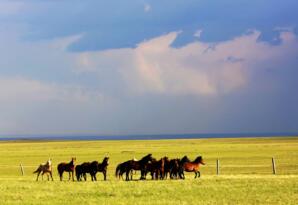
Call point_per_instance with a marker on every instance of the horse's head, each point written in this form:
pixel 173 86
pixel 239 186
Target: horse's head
pixel 200 160
pixel 106 160
pixel 73 159
pixel 49 162
pixel 147 158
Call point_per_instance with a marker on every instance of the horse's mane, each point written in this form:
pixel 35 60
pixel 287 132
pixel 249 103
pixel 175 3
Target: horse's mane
pixel 146 157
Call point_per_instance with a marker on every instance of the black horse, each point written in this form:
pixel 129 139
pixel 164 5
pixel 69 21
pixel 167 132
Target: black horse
pixel 122 168
pixel 173 168
pixel 92 168
pixel 82 170
pixel 100 167
pixel 131 165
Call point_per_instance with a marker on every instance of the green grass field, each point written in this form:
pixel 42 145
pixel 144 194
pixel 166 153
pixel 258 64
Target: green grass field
pixel 245 172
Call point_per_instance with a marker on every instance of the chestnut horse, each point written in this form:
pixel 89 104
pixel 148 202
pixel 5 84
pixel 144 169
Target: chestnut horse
pixel 67 167
pixel 44 168
pixel 192 167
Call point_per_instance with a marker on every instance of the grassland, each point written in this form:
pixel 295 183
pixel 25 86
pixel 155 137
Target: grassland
pixel 246 172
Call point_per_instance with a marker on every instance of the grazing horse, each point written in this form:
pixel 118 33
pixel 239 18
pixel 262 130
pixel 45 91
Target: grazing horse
pixel 192 167
pixel 67 167
pixel 137 165
pixel 44 168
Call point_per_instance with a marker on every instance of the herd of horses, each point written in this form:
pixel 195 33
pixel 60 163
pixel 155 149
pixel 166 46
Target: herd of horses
pixel 158 169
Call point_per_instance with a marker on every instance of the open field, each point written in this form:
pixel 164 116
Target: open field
pixel 246 172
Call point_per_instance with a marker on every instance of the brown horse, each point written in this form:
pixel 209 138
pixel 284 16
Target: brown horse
pixel 44 168
pixel 67 167
pixel 192 167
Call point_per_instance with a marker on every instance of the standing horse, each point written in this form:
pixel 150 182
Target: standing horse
pixel 44 168
pixel 181 163
pixel 156 168
pixel 137 165
pixel 192 167
pixel 121 169
pixel 67 167
pixel 173 168
pixel 92 168
pixel 79 172
pixel 99 167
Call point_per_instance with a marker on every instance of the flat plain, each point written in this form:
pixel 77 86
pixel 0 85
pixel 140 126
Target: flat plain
pixel 245 172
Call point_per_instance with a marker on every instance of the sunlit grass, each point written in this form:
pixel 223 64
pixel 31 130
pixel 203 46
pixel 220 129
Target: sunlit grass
pixel 246 172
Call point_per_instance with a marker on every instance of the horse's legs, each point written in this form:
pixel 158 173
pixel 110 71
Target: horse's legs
pixel 95 179
pixel 195 174
pixel 104 175
pixel 127 173
pixel 61 175
pixel 72 176
pixel 51 175
pixel 199 174
pixel 68 176
pixel 181 174
pixel 37 176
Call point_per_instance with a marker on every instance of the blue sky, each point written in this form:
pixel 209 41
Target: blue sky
pixel 148 67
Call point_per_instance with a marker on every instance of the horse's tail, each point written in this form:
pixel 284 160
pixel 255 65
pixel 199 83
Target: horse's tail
pixel 117 173
pixel 37 170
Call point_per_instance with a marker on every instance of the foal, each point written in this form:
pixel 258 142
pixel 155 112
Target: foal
pixel 44 168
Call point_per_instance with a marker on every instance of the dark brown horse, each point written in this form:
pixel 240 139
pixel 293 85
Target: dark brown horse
pixel 156 168
pixel 67 167
pixel 192 167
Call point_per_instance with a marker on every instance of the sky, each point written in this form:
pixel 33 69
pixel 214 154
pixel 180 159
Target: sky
pixel 71 67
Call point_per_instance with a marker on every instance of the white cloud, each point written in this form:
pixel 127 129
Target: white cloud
pixel 89 91
pixel 197 68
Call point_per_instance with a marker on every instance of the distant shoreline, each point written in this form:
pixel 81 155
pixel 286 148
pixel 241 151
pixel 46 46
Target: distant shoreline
pixel 145 137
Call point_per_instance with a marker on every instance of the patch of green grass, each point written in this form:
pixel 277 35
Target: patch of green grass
pixel 246 172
